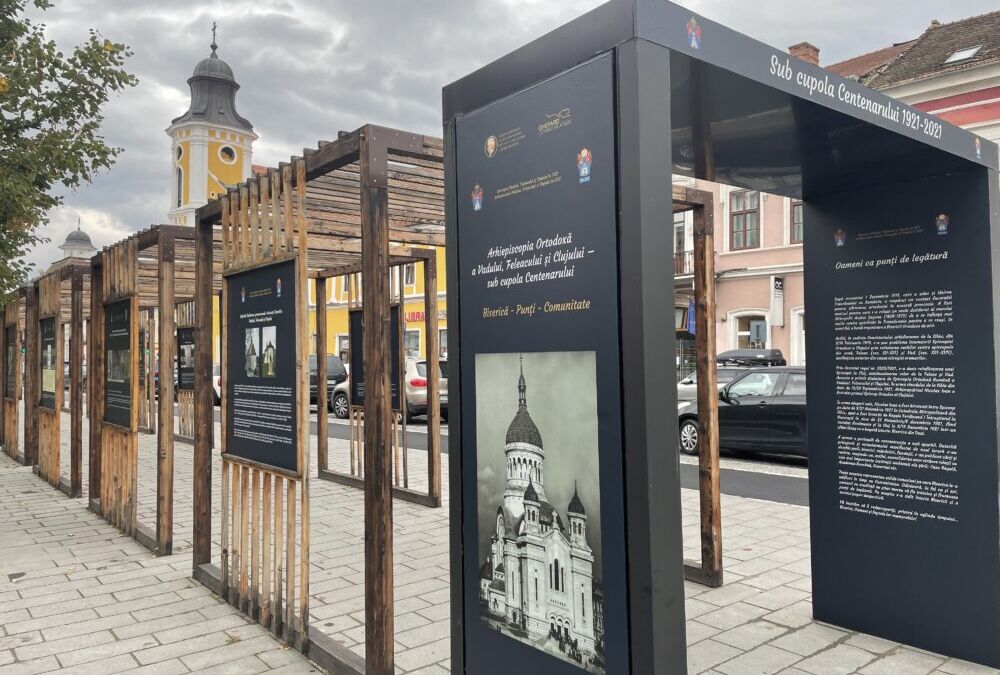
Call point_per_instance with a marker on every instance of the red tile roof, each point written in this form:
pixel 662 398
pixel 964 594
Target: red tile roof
pixel 866 65
pixel 926 58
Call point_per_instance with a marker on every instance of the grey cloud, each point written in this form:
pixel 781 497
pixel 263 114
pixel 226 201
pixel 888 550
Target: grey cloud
pixel 309 69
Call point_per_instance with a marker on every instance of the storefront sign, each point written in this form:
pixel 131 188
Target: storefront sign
pixel 185 359
pixel 49 356
pixel 118 363
pixel 777 301
pixel 539 315
pixel 261 411
pixel 357 337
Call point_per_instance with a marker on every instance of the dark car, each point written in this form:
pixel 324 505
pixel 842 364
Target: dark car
pixel 763 410
pixel 335 374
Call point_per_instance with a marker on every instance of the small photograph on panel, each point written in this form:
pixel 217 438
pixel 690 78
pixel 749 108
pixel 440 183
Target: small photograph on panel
pixel 268 355
pixel 252 354
pixel 539 511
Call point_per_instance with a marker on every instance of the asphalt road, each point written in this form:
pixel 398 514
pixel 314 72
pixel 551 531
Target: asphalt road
pixel 757 481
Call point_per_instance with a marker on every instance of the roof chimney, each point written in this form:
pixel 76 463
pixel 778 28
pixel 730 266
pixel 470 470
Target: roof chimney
pixel 805 51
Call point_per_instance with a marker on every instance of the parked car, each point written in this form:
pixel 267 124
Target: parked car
pixel 339 399
pixel 751 357
pixel 763 410
pixel 687 389
pixel 217 383
pixel 415 382
pixel 335 374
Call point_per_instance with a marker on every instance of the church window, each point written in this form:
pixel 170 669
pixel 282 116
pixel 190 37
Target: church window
pixel 227 154
pixel 180 152
pixel 551 577
pixel 583 606
pixel 562 584
pixel 536 588
pixel 180 186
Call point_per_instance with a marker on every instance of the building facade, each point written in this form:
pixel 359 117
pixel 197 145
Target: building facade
pixel 211 144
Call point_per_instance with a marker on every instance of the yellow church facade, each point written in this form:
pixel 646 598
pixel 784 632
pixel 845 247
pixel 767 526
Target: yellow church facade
pixel 212 150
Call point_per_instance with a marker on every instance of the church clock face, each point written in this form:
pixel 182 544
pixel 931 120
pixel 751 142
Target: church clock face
pixel 539 510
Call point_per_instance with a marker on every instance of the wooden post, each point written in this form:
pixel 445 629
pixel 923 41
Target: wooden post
pixel 379 635
pixel 322 411
pixel 204 416
pixel 95 380
pixel 433 381
pixel 31 376
pixel 709 572
pixel 165 417
pixel 76 384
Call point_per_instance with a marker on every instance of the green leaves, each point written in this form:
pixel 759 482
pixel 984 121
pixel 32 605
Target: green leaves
pixel 51 111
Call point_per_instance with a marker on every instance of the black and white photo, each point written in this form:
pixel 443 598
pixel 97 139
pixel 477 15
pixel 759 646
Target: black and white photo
pixel 539 502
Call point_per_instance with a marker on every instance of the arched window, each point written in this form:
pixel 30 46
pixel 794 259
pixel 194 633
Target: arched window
pixel 180 186
pixel 557 574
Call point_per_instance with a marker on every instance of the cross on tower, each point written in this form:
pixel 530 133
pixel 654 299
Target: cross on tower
pixel 214 45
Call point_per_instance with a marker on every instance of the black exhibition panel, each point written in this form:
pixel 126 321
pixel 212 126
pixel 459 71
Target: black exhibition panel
pixel 185 359
pixel 902 432
pixel 900 214
pixel 49 362
pixel 118 363
pixel 261 386
pixel 356 337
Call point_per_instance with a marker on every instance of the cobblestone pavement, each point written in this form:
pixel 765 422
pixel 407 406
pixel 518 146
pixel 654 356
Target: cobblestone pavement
pixel 82 578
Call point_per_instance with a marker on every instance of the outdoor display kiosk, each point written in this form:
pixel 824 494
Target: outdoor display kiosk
pixel 60 309
pixel 354 205
pixel 10 374
pixel 134 280
pixel 559 164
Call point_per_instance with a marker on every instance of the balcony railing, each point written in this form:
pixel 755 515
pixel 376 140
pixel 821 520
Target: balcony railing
pixel 683 263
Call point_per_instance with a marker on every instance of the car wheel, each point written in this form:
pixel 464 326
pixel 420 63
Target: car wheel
pixel 339 406
pixel 689 437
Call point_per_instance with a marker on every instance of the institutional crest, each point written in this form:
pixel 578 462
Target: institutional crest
pixel 583 161
pixel 694 33
pixel 941 223
pixel 477 198
pixel 979 149
pixel 840 236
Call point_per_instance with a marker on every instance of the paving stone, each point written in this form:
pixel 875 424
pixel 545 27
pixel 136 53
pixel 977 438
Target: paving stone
pixel 764 660
pixel 709 653
pixel 809 639
pixel 903 660
pixel 841 659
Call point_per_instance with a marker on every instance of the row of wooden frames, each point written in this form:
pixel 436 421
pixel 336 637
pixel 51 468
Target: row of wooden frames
pixel 352 208
pixel 336 212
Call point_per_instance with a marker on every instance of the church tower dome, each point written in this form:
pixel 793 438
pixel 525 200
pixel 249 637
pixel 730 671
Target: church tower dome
pixel 212 144
pixel 524 454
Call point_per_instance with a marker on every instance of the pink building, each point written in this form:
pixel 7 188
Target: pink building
pixel 952 70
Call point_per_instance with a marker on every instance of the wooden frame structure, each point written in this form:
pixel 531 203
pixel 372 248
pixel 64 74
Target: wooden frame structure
pixel 13 318
pixel 708 570
pixel 375 185
pixel 62 303
pixel 153 280
pixel 355 477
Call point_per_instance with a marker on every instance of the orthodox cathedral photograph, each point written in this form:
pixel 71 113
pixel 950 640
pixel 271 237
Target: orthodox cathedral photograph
pixel 539 502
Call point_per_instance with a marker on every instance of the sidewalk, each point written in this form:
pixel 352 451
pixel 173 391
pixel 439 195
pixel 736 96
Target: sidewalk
pixel 79 597
pixel 92 596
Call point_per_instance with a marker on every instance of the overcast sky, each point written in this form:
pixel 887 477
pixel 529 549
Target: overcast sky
pixel 309 68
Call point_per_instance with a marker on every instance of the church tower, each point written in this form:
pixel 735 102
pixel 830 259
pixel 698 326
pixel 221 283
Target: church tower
pixel 211 144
